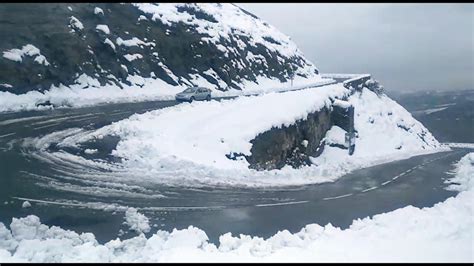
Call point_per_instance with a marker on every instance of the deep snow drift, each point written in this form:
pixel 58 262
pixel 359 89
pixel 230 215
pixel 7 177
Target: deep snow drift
pixel 187 144
pixel 442 233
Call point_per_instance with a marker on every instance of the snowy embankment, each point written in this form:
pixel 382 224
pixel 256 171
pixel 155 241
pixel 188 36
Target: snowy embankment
pixel 88 92
pixel 442 233
pixel 193 140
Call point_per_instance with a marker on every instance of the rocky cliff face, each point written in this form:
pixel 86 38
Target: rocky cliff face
pixel 120 44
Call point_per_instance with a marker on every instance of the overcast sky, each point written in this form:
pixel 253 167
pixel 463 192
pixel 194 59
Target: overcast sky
pixel 404 46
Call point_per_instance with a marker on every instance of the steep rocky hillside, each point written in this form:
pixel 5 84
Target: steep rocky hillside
pixel 97 44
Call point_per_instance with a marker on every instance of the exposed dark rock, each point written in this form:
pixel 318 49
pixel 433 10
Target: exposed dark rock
pixel 374 86
pixel 278 147
pixel 235 156
pixel 343 117
pixel 46 103
pixel 295 144
pixel 403 127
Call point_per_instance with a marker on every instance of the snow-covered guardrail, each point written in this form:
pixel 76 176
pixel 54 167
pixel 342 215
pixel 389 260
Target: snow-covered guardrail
pixel 339 75
pixel 458 145
pixel 323 82
pixel 348 80
pixel 311 85
pixel 357 79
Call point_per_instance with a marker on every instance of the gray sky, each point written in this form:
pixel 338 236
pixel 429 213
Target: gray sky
pixel 404 46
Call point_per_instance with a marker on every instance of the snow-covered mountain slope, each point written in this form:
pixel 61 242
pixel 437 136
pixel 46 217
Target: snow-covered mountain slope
pixel 442 233
pixel 146 49
pixel 193 141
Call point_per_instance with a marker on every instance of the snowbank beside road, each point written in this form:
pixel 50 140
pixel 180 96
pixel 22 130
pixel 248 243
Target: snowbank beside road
pixel 442 233
pixel 463 179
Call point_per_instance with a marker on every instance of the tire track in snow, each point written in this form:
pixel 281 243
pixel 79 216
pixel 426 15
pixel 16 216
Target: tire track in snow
pixel 62 119
pixel 46 126
pixel 281 203
pixel 180 208
pixel 6 135
pixel 18 120
pixel 116 207
pixel 50 202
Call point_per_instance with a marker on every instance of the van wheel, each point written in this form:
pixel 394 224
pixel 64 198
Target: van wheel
pixel 208 98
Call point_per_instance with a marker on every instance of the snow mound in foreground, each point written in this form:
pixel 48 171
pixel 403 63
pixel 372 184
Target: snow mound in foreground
pixel 442 233
pixel 137 221
pixel 463 179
